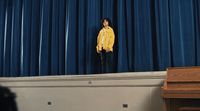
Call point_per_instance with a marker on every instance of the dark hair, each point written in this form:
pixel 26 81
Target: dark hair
pixel 107 19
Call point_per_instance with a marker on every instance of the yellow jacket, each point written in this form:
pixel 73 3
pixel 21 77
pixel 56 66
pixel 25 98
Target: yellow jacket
pixel 105 39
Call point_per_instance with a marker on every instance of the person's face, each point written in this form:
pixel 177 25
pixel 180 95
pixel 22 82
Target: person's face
pixel 105 23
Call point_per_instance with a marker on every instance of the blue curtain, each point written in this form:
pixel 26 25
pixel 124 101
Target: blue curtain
pixel 57 37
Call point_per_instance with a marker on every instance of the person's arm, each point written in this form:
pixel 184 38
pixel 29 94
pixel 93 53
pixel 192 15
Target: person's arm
pixel 112 40
pixel 98 40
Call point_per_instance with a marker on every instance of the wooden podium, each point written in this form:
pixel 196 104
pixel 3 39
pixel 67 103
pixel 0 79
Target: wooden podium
pixel 181 90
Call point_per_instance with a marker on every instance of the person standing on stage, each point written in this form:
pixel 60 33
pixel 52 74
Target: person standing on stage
pixel 105 43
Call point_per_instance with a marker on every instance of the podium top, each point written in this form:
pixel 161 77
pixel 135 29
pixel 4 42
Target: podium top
pixel 182 83
pixel 183 74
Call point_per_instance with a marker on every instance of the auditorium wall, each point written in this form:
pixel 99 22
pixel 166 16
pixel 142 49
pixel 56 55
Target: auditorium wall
pixel 139 91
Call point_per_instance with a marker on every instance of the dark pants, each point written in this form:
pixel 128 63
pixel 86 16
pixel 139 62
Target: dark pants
pixel 106 62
